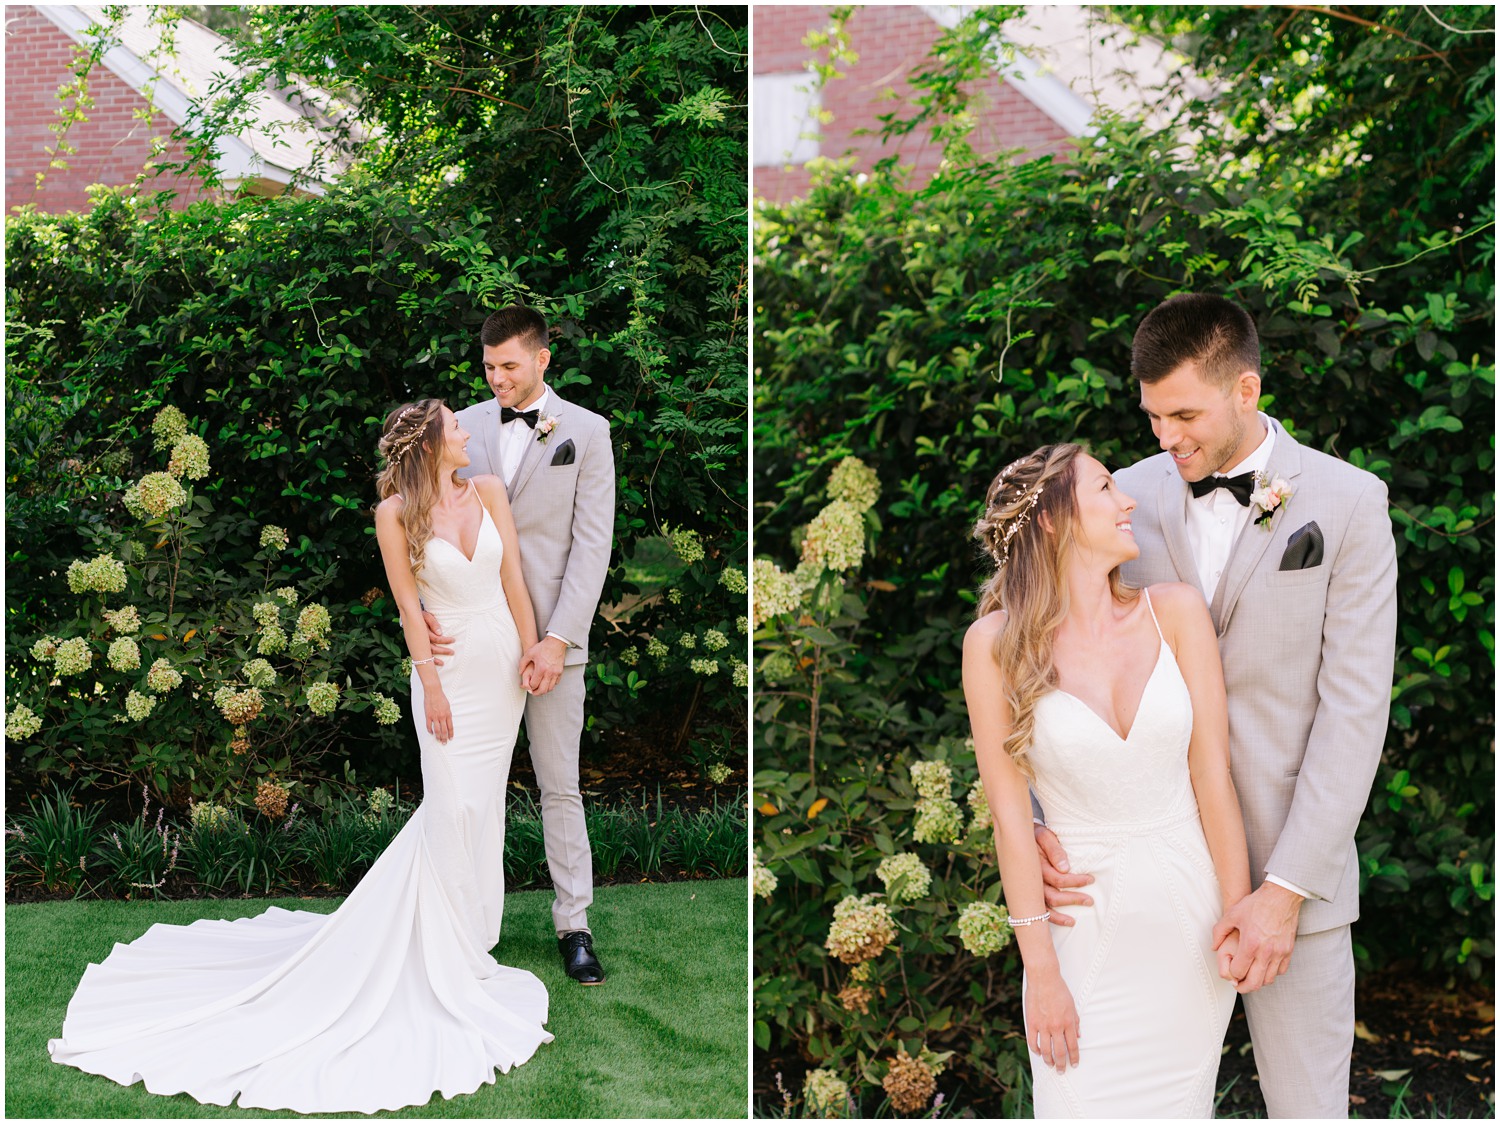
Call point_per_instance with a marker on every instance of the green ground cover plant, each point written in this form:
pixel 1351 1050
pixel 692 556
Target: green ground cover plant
pixel 57 847
pixel 664 1037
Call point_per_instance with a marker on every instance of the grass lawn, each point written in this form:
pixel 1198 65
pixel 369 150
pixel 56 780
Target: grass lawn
pixel 665 1036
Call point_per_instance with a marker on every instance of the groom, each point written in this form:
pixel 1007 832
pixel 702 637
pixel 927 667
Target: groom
pixel 1292 550
pixel 558 468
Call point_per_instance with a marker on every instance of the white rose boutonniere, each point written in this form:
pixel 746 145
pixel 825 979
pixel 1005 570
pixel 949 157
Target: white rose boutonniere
pixel 544 427
pixel 1269 495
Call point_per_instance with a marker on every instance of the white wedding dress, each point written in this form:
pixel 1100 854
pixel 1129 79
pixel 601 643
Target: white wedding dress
pixel 1152 1010
pixel 394 995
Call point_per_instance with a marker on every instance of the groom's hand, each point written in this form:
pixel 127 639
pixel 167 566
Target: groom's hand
pixel 1267 924
pixel 1056 878
pixel 441 645
pixel 545 660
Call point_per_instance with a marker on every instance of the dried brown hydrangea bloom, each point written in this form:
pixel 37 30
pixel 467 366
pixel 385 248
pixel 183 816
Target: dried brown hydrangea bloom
pixel 910 1084
pixel 856 998
pixel 271 799
pixel 862 929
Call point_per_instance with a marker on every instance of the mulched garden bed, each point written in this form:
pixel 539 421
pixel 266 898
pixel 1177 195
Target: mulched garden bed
pixel 1417 1045
pixel 1437 1044
pixel 635 766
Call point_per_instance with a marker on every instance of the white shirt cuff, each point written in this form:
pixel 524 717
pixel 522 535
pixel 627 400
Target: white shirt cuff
pixel 1292 886
pixel 569 644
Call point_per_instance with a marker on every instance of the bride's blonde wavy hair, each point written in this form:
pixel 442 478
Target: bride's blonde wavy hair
pixel 1030 582
pixel 410 442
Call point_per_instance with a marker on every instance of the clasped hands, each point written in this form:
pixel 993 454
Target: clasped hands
pixel 1253 940
pixel 541 664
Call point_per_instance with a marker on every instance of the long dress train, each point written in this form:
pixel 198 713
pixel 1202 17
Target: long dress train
pixel 1139 962
pixel 394 995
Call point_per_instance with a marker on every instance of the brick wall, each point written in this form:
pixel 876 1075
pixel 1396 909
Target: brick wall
pixel 112 145
pixel 892 42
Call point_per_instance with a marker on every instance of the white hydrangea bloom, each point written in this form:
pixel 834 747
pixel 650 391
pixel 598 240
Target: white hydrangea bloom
pixel 915 878
pixel 854 482
pixel 983 928
pixel 835 538
pixel 775 592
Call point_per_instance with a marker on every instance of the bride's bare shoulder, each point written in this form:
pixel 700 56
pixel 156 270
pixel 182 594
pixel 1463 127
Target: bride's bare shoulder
pixel 388 509
pixel 982 633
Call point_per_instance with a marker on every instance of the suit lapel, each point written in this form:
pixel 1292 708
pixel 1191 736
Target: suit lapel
pixel 1170 516
pixel 489 432
pixel 536 449
pixel 1250 547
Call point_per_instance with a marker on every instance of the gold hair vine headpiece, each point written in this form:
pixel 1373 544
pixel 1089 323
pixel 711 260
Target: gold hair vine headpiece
pixel 1013 527
pixel 400 446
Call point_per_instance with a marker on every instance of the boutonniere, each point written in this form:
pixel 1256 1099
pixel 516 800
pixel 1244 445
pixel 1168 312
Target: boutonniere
pixel 1269 495
pixel 544 427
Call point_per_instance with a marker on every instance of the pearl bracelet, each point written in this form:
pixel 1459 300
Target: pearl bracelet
pixel 1014 922
pixel 419 663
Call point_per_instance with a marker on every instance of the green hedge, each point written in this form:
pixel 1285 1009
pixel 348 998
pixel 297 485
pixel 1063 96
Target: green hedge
pixel 288 328
pixel 937 333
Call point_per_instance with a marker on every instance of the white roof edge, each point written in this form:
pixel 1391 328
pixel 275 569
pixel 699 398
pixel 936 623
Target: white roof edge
pixel 123 62
pixel 1047 92
pixel 236 161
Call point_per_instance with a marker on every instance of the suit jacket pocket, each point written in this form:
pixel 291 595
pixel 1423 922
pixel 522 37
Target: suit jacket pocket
pixel 1285 621
pixel 566 454
pixel 1290 579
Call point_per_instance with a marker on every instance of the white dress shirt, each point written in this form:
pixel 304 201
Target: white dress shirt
pixel 1214 523
pixel 515 435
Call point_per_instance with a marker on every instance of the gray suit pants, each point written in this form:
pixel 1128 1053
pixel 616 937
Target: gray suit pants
pixel 1302 1028
pixel 554 723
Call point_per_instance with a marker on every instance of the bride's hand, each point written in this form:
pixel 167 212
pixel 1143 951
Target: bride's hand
pixel 1051 1021
pixel 439 715
pixel 1228 949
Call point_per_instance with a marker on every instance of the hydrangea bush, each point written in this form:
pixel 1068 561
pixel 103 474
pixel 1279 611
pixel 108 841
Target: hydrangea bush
pixel 882 952
pixel 215 689
pixel 696 632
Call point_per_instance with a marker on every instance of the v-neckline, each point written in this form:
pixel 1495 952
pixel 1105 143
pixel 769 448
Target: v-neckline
pixel 1161 649
pixel 483 515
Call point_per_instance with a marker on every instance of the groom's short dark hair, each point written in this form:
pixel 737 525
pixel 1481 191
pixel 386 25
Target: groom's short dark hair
pixel 1195 327
pixel 515 321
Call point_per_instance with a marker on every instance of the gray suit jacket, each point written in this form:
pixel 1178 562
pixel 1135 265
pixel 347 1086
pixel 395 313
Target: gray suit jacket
pixel 1308 655
pixel 563 501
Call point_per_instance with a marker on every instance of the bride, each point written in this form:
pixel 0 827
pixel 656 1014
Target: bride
pixel 394 995
pixel 1108 703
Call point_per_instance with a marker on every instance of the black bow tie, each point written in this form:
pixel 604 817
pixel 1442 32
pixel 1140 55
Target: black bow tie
pixel 530 416
pixel 1239 486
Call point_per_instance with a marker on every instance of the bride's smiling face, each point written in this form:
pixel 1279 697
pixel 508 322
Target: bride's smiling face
pixel 1103 527
pixel 455 453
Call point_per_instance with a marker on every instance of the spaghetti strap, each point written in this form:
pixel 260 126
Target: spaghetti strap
pixel 1146 593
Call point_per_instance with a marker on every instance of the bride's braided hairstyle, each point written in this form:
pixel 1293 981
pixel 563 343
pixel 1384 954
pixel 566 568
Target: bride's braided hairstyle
pixel 410 442
pixel 1030 513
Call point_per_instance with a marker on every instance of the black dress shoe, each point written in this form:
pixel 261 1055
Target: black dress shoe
pixel 579 961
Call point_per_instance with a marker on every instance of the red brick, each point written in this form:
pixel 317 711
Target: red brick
pixel 892 42
pixel 112 145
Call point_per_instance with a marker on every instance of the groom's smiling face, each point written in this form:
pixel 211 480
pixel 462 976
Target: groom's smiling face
pixel 515 371
pixel 1206 427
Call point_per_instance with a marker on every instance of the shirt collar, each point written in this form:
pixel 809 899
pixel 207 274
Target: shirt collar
pixel 540 405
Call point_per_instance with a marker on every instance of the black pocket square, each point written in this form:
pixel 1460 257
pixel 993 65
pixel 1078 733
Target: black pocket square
pixel 1304 549
pixel 566 453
